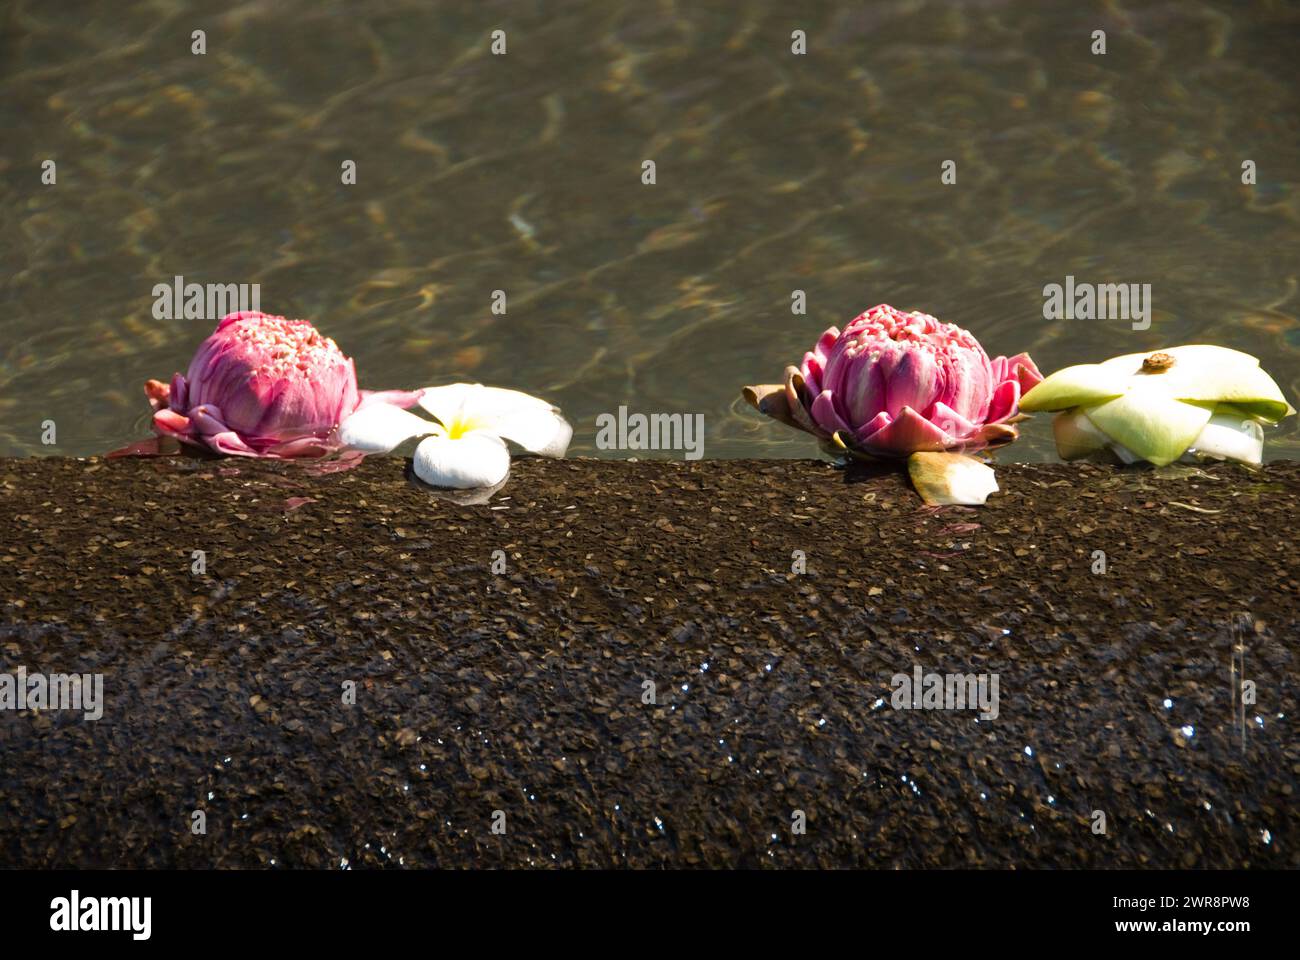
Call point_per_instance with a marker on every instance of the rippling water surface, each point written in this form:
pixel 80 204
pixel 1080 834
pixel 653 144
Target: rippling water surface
pixel 522 173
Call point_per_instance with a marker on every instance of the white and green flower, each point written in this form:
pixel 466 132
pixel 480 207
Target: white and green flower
pixel 464 446
pixel 1191 402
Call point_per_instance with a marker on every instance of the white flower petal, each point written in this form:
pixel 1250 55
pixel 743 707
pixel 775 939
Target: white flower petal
pixel 477 459
pixel 543 432
pixel 951 478
pixel 446 402
pixel 1230 435
pixel 379 427
pixel 527 420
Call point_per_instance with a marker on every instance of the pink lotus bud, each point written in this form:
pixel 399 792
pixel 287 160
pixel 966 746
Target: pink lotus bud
pixel 895 383
pixel 264 386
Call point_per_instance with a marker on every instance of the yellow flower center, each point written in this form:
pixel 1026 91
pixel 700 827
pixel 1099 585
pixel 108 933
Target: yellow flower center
pixel 462 424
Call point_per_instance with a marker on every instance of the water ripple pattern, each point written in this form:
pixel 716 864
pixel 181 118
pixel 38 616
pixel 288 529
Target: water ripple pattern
pixel 522 173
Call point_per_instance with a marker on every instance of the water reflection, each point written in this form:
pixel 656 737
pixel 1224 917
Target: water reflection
pixel 522 173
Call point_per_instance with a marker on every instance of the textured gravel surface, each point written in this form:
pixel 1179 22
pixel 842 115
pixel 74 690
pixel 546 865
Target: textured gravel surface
pixel 518 698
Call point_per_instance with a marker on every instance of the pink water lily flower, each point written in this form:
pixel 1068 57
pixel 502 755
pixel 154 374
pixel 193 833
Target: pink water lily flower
pixel 264 386
pixel 893 383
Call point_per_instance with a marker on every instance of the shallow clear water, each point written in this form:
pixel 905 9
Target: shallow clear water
pixel 522 173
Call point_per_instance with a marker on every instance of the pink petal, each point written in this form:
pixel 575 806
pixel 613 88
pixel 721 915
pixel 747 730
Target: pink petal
pixel 969 383
pixel 825 342
pixel 179 393
pixel 153 447
pixel 345 461
pixel 812 370
pixel 864 395
pixel 301 447
pixel 398 398
pixel 913 382
pixel 814 362
pixel 208 420
pixel 230 444
pixel 825 415
pixel 1005 399
pixel 874 425
pixel 1026 371
pixel 906 434
pixel 952 423
pixel 172 424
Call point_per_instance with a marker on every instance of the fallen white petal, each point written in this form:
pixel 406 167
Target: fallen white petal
pixel 477 459
pixel 380 427
pixel 951 478
pixel 527 420
pixel 1229 436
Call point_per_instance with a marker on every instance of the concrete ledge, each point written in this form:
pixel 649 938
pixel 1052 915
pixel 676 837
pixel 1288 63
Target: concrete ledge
pixel 522 692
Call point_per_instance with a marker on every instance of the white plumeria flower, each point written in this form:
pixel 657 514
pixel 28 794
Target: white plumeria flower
pixel 465 448
pixel 1185 402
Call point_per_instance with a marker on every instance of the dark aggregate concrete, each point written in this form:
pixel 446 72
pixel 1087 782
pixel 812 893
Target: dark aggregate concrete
pixel 522 692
